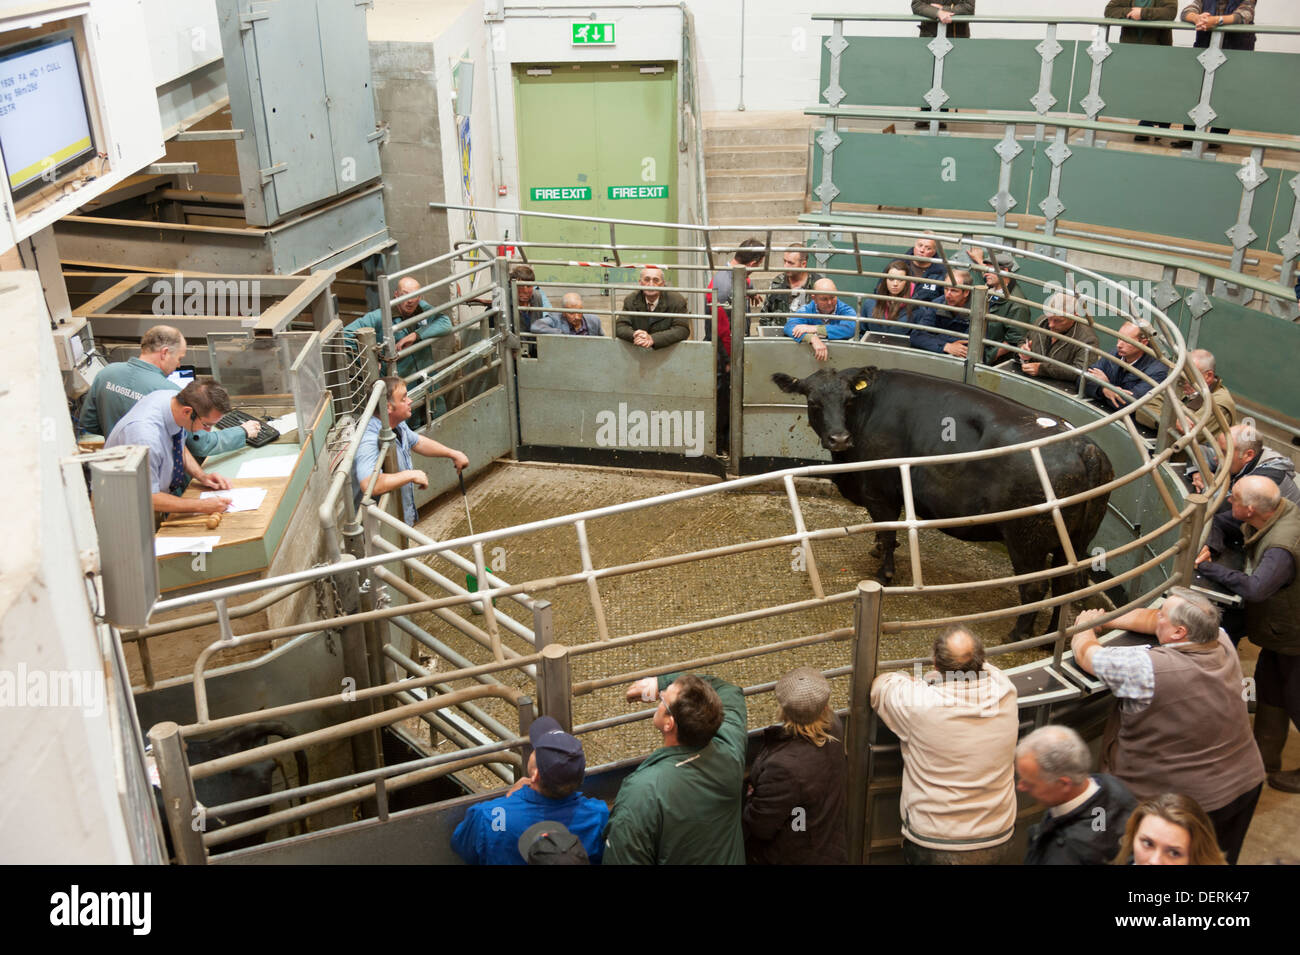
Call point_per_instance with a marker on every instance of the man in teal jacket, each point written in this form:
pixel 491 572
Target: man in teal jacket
pixel 434 326
pixel 118 387
pixel 682 805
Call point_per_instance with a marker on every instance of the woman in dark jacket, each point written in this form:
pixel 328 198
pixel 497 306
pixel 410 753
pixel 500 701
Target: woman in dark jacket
pixel 794 803
pixel 896 283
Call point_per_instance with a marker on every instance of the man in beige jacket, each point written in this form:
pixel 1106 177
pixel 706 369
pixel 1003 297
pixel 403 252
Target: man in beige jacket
pixel 958 726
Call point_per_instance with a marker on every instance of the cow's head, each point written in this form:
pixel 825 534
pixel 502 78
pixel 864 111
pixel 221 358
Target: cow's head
pixel 829 395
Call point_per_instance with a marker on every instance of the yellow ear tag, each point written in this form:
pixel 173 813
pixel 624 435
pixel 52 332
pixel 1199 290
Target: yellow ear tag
pixel 859 386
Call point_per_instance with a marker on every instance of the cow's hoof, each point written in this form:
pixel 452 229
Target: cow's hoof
pixel 884 579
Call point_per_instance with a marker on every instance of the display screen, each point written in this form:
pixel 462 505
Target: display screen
pixel 44 127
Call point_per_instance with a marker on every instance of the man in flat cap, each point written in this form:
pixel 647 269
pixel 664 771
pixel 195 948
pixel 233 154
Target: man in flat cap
pixel 490 832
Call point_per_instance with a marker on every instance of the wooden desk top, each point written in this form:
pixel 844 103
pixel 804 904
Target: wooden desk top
pixel 238 527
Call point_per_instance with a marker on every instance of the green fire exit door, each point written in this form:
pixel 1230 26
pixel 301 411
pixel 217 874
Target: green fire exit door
pixel 596 139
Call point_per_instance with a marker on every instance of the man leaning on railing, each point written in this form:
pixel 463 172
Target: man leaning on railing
pixel 648 318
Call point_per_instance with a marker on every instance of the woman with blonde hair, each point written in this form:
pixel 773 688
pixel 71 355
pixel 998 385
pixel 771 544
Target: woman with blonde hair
pixel 1169 830
pixel 794 803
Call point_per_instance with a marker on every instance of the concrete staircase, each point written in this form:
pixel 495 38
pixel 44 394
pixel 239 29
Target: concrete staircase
pixel 757 170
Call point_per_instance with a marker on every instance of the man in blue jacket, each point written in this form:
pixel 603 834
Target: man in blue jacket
pixel 814 323
pixel 1115 385
pixel 489 833
pixel 944 320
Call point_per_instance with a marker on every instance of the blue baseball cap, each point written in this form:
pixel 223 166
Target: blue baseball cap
pixel 560 759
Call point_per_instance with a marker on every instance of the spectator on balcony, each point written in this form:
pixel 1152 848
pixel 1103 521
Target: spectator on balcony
pixel 1003 290
pixel 814 323
pixel 572 320
pixel 649 314
pixel 1117 384
pixel 896 283
pixel 792 289
pixel 929 276
pixel 1144 10
pixel 955 296
pixel 748 256
pixel 943 13
pixel 1191 398
pixel 1207 15
pixel 1068 354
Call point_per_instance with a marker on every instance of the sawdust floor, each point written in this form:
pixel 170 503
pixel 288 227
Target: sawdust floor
pixel 512 494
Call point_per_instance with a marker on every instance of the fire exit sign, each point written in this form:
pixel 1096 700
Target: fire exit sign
pixel 638 192
pixel 589 33
pixel 549 193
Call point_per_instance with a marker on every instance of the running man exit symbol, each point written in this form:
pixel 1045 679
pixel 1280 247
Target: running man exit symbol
pixel 587 33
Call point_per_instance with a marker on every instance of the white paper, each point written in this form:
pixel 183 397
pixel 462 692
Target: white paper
pixel 240 498
pixel 285 423
pixel 279 466
pixel 163 546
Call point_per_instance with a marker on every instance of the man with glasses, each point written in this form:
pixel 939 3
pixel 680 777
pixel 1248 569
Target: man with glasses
pixel 159 421
pixel 682 805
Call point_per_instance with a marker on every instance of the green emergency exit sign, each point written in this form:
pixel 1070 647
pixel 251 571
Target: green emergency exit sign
pixel 638 192
pixel 548 193
pixel 589 33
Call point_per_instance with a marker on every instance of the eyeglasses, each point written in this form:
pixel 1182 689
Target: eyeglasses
pixel 198 424
pixel 668 708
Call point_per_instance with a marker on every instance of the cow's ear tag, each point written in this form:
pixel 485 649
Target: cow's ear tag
pixel 859 386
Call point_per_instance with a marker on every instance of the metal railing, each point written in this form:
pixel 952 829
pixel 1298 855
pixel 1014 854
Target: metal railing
pixel 365 578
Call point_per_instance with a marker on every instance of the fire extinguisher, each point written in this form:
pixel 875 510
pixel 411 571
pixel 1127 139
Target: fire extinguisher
pixel 505 250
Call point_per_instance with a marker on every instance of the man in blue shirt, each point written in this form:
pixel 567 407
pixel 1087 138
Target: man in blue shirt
pixel 399 409
pixel 813 322
pixel 1121 385
pixel 118 387
pixel 489 833
pixel 159 422
pixel 571 321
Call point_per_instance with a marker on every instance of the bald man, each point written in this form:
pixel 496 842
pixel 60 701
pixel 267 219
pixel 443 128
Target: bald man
pixel 1204 361
pixel 432 326
pixel 572 320
pixel 1112 385
pixel 957 726
pixel 649 318
pixel 823 319
pixel 1272 619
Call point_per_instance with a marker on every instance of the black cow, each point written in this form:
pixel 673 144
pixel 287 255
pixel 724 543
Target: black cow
pixel 236 784
pixel 866 414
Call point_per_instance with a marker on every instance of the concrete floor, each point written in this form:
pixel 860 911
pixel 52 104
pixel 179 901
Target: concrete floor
pixel 1274 834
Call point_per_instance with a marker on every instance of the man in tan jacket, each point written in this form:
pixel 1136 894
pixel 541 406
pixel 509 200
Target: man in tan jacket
pixel 958 727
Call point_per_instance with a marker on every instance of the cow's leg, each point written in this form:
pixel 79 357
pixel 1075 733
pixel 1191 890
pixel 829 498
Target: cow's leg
pixel 1028 554
pixel 886 507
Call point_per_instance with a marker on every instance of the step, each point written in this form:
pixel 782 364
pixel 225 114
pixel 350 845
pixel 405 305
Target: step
pixel 777 205
pixel 756 181
pixel 755 136
pixel 721 158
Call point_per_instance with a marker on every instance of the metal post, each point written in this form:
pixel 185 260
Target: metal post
pixel 365 746
pixel 527 713
pixel 179 802
pixel 555 685
pixel 866 645
pixel 503 299
pixel 975 334
pixel 1190 540
pixel 386 324
pixel 736 377
pixel 543 625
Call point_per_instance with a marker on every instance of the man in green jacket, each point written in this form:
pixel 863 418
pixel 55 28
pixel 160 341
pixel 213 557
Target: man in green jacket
pixel 118 387
pixel 682 805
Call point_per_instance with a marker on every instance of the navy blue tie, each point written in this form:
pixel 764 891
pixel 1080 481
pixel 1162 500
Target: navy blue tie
pixel 179 480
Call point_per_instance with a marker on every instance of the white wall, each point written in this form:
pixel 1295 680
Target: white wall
pixel 183 36
pixel 59 802
pixel 782 43
pixel 467 36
